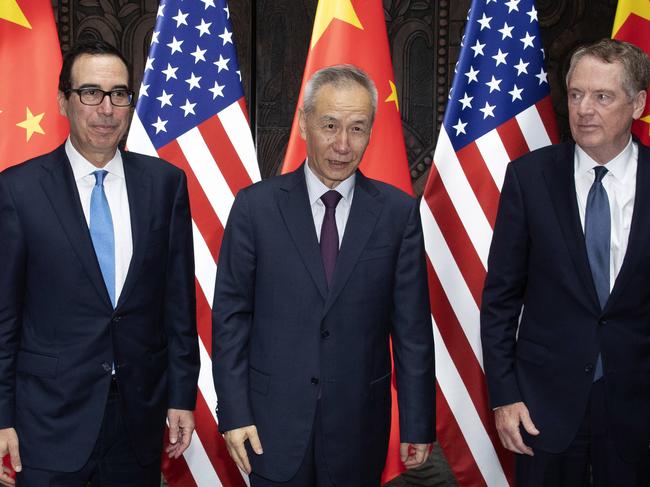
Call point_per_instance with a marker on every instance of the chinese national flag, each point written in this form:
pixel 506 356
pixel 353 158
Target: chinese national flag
pixel 632 24
pixel 354 32
pixel 30 57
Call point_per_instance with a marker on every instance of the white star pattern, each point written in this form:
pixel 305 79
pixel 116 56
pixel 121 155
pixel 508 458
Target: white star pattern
pixel 170 72
pixel 477 48
pixel 516 93
pixel 160 125
pixel 521 67
pixel 500 57
pixel 149 64
pixel 506 31
pixel 488 110
pixel 154 37
pixel 227 10
pixel 527 40
pixel 541 76
pixel 208 3
pixel 161 11
pixel 221 64
pixel 193 81
pixel 175 45
pixel 181 18
pixel 466 101
pixel 485 22
pixel 460 127
pixel 512 5
pixel 226 36
pixel 472 75
pixel 165 99
pixel 199 54
pixel 188 108
pixel 217 90
pixel 143 90
pixel 494 84
pixel 203 27
pixel 532 13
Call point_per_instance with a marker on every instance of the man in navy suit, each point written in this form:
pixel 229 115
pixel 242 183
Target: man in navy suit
pixel 98 341
pixel 569 376
pixel 318 268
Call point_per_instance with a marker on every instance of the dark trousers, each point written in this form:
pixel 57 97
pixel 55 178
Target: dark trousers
pixel 112 462
pixel 313 469
pixel 592 459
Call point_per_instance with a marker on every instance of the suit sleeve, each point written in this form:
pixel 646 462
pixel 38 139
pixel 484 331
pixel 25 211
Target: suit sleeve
pixel 12 283
pixel 232 318
pixel 412 336
pixel 503 293
pixel 180 306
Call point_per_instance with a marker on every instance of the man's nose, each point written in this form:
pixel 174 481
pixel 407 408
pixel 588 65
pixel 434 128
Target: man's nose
pixel 106 106
pixel 342 142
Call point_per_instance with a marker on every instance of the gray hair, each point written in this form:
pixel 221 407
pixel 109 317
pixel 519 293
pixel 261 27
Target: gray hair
pixel 340 75
pixel 635 62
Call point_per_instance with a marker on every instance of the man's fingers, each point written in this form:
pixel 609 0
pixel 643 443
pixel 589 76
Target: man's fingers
pixel 413 454
pixel 14 455
pixel 528 424
pixel 173 430
pixel 243 463
pixel 6 480
pixel 256 444
pixel 403 452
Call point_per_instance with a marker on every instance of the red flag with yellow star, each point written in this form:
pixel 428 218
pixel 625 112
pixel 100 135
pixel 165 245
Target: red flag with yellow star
pixel 632 24
pixel 354 32
pixel 30 57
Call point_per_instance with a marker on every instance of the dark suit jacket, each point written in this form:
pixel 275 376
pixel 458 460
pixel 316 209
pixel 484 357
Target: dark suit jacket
pixel 280 335
pixel 59 333
pixel 538 258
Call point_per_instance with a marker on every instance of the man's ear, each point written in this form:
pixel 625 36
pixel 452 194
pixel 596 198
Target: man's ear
pixel 63 103
pixel 302 123
pixel 639 104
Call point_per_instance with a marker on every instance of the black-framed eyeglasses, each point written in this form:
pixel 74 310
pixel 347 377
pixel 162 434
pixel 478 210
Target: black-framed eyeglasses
pixel 95 96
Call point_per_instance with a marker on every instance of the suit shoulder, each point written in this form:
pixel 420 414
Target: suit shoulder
pixel 151 163
pixel 390 193
pixel 535 160
pixel 27 170
pixel 265 187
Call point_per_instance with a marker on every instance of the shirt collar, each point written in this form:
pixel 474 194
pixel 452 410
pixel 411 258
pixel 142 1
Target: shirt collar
pixel 81 167
pixel 316 188
pixel 619 166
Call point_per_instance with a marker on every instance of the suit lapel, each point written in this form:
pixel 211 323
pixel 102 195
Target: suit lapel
pixel 293 201
pixel 560 180
pixel 639 237
pixel 365 210
pixel 59 185
pixel 138 188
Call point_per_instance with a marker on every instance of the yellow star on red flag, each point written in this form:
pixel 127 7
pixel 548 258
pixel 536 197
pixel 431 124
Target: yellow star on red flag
pixel 327 11
pixel 393 95
pixel 32 124
pixel 11 11
pixel 627 7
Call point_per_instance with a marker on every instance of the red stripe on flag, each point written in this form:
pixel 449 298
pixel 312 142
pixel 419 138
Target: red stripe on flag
pixel 215 446
pixel 244 109
pixel 479 178
pixel 176 471
pixel 451 227
pixel 547 114
pixel 513 139
pixel 224 154
pixel 202 212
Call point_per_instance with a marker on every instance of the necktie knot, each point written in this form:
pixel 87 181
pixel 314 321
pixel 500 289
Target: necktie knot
pixel 99 177
pixel 600 173
pixel 331 199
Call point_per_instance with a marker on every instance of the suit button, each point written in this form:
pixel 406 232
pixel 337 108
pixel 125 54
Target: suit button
pixel 314 380
pixel 324 334
pixel 116 319
pixel 107 367
pixel 589 368
pixel 602 322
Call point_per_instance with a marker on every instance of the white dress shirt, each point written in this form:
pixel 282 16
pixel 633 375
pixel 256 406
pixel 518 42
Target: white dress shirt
pixel 620 184
pixel 316 188
pixel 118 202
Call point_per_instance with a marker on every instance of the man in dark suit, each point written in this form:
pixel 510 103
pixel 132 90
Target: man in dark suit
pixel 301 351
pixel 569 376
pixel 98 341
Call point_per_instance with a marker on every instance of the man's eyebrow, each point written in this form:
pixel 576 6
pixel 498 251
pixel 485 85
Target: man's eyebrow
pixel 95 85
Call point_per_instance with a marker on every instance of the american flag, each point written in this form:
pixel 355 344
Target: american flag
pixel 499 108
pixel 191 112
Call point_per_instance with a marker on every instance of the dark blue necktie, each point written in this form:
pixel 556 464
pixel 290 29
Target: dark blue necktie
pixel 101 233
pixel 329 235
pixel 597 240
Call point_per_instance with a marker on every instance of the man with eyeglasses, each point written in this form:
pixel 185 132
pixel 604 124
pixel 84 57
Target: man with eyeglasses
pixel 98 342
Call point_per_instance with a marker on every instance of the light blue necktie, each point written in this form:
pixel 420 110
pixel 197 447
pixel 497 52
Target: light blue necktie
pixel 597 240
pixel 101 232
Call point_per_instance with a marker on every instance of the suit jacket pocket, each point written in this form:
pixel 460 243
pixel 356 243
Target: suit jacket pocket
pixel 377 252
pixel 531 351
pixel 258 381
pixel 36 364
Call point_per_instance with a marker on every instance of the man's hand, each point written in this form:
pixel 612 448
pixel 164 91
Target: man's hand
pixel 181 426
pixel 414 454
pixel 9 445
pixel 235 442
pixel 507 419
